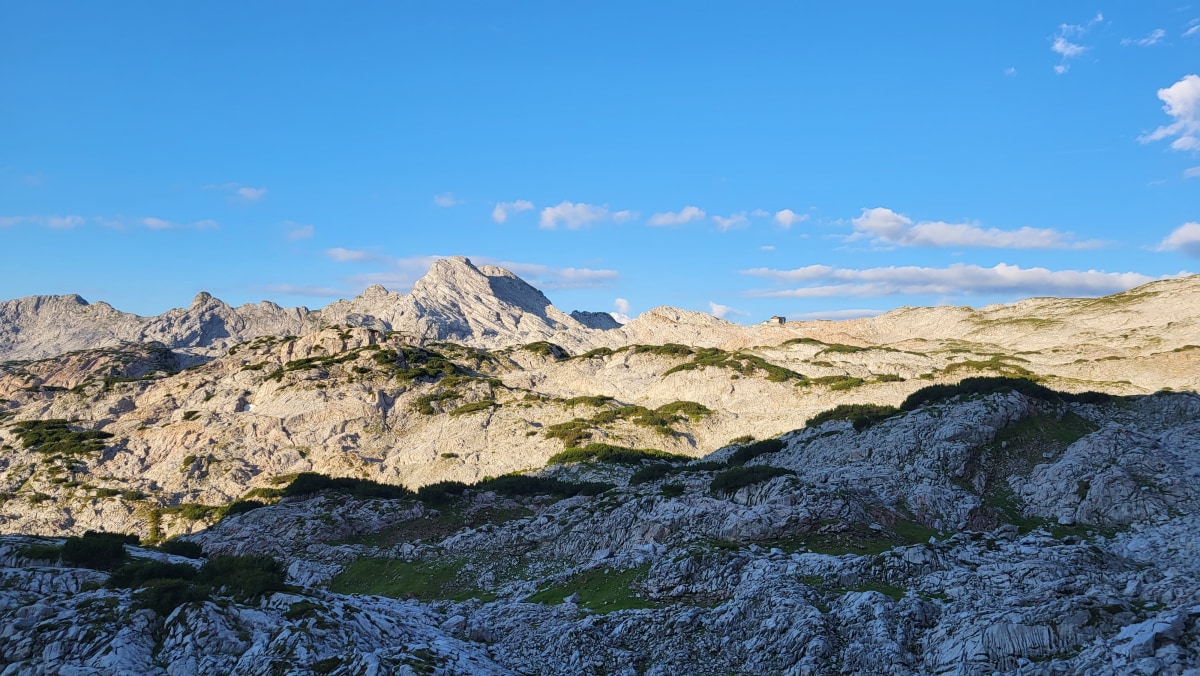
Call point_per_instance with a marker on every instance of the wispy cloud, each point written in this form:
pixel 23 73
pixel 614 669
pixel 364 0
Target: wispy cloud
pixel 248 194
pixel 822 281
pixel 884 226
pixel 552 278
pixel 684 215
pixel 446 199
pixel 354 256
pixel 572 215
pixel 1010 72
pixel 787 218
pixel 238 192
pixel 300 232
pixel 54 222
pixel 855 313
pixel 1149 40
pixel 722 311
pixel 1185 238
pixel 1066 49
pixel 624 216
pixel 502 210
pixel 158 223
pixel 767 247
pixel 301 290
pixel 1193 28
pixel 1182 101
pixel 731 222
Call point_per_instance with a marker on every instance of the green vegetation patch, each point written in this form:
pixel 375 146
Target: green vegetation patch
pixel 739 362
pixel 546 349
pixel 735 478
pixel 424 404
pixel 991 385
pixel 862 415
pixel 750 451
pixel 600 590
pixel 856 538
pixel 837 383
pixel 55 437
pixel 608 453
pixel 423 580
pixel 474 407
pixel 310 483
pixel 574 432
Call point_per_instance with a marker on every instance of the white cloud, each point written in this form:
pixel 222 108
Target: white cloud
pixel 835 314
pixel 721 311
pixel 888 227
pixel 572 215
pixel 1192 30
pixel 1066 49
pixel 445 199
pixel 206 224
pixel 64 222
pixel 684 215
pixel 958 279
pixel 9 221
pixel 1185 238
pixel 248 194
pixel 760 213
pixel 502 210
pixel 1010 71
pixel 1182 101
pixel 158 223
pixel 622 313
pixel 787 218
pixel 551 278
pixel 300 232
pixel 726 223
pixel 1191 172
pixel 300 290
pixel 624 216
pixel 350 255
pixel 1152 38
pixel 767 247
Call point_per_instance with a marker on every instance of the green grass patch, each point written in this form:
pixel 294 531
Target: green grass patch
pixel 56 437
pixel 600 590
pixel 740 363
pixel 423 580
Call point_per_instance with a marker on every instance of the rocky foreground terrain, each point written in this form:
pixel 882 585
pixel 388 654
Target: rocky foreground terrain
pixel 678 495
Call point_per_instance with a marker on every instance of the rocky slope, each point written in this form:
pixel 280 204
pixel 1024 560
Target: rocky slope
pixel 1006 528
pixel 1008 532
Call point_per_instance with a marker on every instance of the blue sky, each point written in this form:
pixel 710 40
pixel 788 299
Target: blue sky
pixel 804 159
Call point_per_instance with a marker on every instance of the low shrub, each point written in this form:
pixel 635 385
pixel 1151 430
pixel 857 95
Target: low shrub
pixel 990 385
pixel 736 478
pixel 862 415
pixel 608 453
pixel 309 483
pixel 179 547
pixel 750 451
pixel 441 492
pixel 522 485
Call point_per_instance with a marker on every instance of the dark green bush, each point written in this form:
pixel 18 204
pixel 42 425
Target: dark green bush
pixel 181 548
pixel 309 483
pixel 241 507
pixel 862 415
pixel 612 454
pixel 673 490
pixel 990 385
pixel 735 478
pixel 55 436
pixel 243 577
pixel 137 573
pixel 644 475
pixel 165 595
pixel 522 485
pixel 486 404
pixel 750 451
pixel 441 492
pixel 101 551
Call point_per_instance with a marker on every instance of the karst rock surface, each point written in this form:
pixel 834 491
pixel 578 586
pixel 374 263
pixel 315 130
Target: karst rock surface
pixel 1034 529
